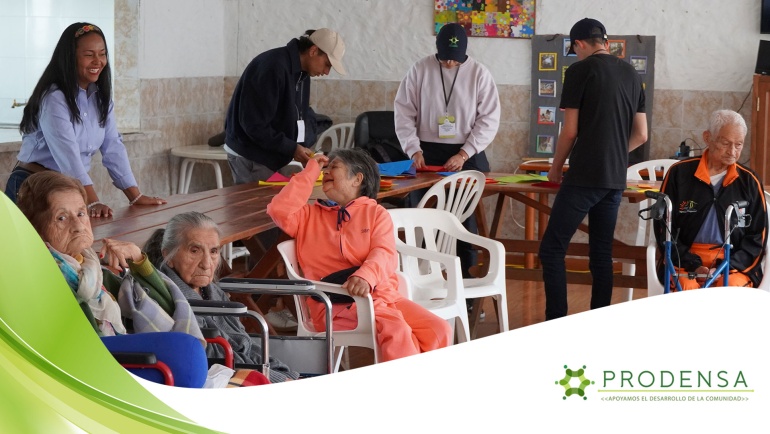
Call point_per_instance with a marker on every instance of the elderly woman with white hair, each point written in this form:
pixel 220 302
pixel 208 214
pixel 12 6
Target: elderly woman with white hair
pixel 701 189
pixel 187 251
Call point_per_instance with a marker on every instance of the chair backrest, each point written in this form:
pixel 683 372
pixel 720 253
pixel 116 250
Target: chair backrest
pixel 375 132
pixel 644 228
pixel 339 135
pixel 374 125
pixel 634 172
pixel 288 251
pixel 459 194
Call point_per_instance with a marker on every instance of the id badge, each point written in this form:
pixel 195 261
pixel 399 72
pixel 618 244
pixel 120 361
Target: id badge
pixel 300 131
pixel 447 128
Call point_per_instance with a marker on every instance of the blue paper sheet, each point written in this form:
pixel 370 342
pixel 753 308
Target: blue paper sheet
pixel 397 168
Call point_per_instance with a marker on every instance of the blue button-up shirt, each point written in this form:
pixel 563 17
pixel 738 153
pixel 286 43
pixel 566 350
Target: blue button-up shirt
pixel 67 147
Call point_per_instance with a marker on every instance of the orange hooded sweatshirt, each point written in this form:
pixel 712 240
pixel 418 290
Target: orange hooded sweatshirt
pixel 328 241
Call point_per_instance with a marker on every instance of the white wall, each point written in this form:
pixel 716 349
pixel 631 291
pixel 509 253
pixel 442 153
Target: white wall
pixel 701 44
pixel 182 38
pixel 29 31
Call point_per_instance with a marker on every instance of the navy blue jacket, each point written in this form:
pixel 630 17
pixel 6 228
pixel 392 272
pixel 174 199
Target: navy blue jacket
pixel 271 95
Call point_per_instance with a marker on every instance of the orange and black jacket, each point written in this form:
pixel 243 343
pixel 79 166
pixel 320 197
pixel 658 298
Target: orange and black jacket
pixel 688 186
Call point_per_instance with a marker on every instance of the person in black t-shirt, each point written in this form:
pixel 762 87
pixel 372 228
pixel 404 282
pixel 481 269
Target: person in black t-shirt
pixel 604 104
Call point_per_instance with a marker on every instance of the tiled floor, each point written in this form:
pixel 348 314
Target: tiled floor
pixel 526 306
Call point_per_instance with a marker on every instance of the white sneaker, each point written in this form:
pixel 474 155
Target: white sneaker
pixel 282 321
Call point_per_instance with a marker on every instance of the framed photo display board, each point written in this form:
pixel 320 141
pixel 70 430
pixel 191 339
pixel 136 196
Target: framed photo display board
pixel 549 63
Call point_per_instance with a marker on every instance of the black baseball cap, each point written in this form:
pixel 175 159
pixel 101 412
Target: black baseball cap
pixel 587 28
pixel 452 42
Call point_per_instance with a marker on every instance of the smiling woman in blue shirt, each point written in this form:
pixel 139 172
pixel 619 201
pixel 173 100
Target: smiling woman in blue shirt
pixel 69 117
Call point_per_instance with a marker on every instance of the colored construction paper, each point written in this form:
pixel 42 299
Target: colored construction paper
pixel 277 177
pixel 397 168
pixel 522 178
pixel 430 169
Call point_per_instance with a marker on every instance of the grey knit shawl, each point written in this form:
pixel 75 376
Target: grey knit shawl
pixel 247 350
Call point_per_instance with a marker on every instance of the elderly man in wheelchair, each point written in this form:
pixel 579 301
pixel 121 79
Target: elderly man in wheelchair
pixel 716 228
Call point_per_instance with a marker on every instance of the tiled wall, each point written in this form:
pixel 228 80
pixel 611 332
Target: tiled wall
pixel 174 112
pixel 156 115
pixel 677 115
pixel 187 111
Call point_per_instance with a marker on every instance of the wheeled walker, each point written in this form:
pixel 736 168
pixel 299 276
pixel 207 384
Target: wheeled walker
pixel 662 209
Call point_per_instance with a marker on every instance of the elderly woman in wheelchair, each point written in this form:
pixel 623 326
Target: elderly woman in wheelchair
pixel 187 251
pixel 142 300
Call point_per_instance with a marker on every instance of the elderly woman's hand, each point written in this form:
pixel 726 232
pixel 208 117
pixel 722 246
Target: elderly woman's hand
pixel 357 286
pixel 322 159
pixel 117 253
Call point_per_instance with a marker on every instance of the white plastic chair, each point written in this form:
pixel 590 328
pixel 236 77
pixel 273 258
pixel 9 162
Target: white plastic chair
pixel 459 194
pixel 340 136
pixel 364 335
pixel 438 286
pixel 644 228
pixel 654 287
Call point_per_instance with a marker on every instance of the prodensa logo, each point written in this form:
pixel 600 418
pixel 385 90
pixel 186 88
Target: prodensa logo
pixel 574 382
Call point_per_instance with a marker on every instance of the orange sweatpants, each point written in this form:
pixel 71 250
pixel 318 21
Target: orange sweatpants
pixel 708 254
pixel 403 327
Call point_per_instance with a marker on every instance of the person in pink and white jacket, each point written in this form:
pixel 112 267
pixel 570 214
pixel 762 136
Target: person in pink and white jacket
pixel 446 113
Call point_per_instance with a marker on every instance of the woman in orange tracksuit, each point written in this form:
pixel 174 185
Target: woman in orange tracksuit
pixel 352 230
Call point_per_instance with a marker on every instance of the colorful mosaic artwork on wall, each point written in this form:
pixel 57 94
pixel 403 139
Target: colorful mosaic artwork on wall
pixel 488 18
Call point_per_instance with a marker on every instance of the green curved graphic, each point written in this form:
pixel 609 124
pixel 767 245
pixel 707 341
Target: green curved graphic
pixel 566 382
pixel 55 373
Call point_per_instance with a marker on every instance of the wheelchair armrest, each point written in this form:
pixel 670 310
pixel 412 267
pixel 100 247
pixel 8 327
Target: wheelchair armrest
pixel 125 358
pixel 143 360
pixel 216 308
pixel 283 287
pixel 232 308
pixel 264 286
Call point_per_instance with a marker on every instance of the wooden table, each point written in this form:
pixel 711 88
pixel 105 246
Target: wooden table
pixel 239 210
pixel 536 200
pixel 544 166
